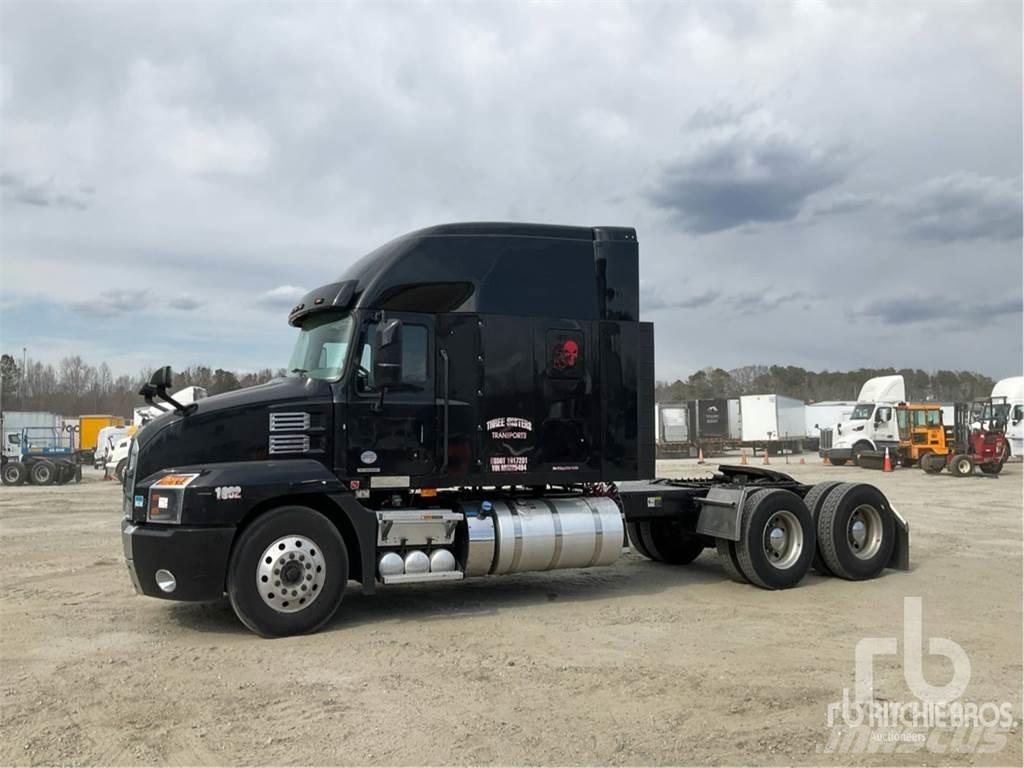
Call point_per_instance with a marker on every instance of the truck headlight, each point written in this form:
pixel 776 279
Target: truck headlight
pixel 166 497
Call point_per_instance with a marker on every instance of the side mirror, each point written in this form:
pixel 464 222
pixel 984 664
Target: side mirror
pixel 387 354
pixel 161 378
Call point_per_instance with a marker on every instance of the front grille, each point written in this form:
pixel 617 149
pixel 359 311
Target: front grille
pixel 826 438
pixel 289 443
pixel 286 422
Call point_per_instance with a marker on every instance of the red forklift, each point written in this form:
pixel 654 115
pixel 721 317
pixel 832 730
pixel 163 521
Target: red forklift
pixel 971 442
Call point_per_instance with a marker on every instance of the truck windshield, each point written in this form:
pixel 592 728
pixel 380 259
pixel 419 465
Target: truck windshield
pixel 321 347
pixel 862 412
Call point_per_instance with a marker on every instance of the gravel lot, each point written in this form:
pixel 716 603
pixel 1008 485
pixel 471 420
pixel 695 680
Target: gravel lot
pixel 639 663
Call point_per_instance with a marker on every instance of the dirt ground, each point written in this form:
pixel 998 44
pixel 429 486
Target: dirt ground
pixel 636 664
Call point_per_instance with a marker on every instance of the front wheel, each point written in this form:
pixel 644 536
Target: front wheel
pixel 122 465
pixel 994 468
pixel 288 572
pixel 961 466
pixel 933 463
pixel 837 462
pixel 13 473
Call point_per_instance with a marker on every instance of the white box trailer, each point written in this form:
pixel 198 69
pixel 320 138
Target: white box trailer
pixel 735 419
pixel 12 422
pixel 672 421
pixel 824 415
pixel 773 422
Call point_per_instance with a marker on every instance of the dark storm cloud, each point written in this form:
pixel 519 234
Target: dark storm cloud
pixel 744 167
pixel 901 310
pixel 962 206
pixel 44 193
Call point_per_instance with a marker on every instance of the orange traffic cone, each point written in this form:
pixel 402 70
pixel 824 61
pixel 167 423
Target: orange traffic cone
pixel 802 460
pixel 743 458
pixel 887 464
pixel 765 461
pixel 700 456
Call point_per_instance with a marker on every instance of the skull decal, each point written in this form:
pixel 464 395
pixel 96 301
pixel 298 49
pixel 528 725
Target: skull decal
pixel 566 355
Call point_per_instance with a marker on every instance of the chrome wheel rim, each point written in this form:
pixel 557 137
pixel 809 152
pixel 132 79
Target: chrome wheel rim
pixel 864 532
pixel 783 539
pixel 290 574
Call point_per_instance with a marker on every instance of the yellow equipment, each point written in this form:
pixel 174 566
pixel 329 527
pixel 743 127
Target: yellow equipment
pixel 89 429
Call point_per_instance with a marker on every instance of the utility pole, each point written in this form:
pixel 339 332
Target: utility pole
pixel 21 379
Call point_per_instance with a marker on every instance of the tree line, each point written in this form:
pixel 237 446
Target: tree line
pixel 818 386
pixel 73 386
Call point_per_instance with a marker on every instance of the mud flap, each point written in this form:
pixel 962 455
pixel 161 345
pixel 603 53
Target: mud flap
pixel 720 512
pixel 900 558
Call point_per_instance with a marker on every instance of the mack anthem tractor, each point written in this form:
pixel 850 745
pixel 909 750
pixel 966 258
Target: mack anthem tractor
pixel 466 401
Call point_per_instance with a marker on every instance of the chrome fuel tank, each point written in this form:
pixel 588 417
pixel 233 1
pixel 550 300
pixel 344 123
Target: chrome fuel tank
pixel 549 533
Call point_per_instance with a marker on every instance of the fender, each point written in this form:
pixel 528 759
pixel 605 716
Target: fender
pixel 231 493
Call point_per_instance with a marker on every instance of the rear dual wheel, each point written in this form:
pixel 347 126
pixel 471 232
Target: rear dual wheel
pixel 856 531
pixel 665 541
pixel 42 472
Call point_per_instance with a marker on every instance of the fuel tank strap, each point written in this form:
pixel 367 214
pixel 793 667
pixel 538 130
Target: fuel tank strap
pixel 598 533
pixel 557 522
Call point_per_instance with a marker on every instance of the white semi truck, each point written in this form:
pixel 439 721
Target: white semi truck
pixel 871 425
pixel 1008 396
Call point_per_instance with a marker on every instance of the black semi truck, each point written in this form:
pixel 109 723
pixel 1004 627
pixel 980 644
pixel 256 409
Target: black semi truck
pixel 466 401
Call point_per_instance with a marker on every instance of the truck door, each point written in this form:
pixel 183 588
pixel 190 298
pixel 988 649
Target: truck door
pixel 394 435
pixel 885 424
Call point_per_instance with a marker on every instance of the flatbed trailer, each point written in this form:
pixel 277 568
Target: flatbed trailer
pixel 469 400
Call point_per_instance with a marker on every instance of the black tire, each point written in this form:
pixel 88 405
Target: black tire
pixel 633 530
pixel 993 468
pixel 247 558
pixel 858 449
pixel 668 543
pixel 42 472
pixel 781 510
pixel 845 554
pixel 814 501
pixel 961 465
pixel 13 473
pixel 122 465
pixel 727 557
pixel 78 473
pixel 65 472
pixel 933 463
pixel 838 462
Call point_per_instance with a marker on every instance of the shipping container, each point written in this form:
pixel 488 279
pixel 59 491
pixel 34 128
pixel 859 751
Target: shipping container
pixel 772 421
pixel 672 421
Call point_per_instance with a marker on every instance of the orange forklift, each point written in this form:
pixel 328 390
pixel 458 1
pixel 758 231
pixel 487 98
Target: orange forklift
pixel 960 447
pixel 925 440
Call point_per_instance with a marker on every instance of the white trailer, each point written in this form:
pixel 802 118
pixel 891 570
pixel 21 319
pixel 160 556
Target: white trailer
pixel 1010 392
pixel 772 422
pixel 12 422
pixel 735 420
pixel 824 415
pixel 673 431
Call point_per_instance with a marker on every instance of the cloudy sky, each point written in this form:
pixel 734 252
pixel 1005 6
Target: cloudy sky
pixel 825 185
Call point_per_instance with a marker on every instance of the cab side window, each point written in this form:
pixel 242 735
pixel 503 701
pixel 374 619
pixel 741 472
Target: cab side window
pixel 415 358
pixel 1018 413
pixel 883 415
